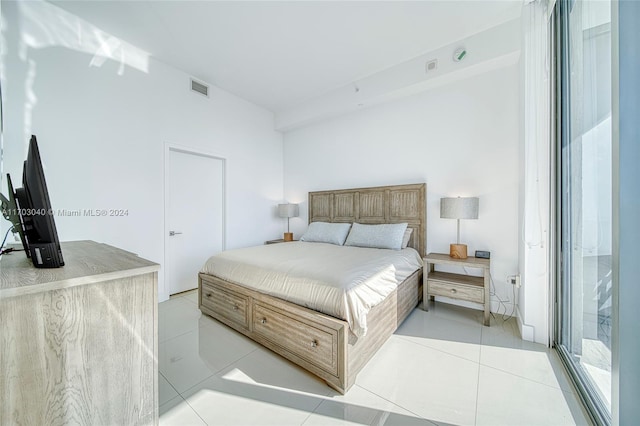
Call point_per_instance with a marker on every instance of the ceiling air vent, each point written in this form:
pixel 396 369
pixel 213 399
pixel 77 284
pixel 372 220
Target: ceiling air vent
pixel 203 89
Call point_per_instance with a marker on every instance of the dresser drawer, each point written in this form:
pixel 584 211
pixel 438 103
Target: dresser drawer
pixel 226 303
pixel 312 342
pixel 456 291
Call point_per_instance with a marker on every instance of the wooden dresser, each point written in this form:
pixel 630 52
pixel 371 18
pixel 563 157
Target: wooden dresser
pixel 79 344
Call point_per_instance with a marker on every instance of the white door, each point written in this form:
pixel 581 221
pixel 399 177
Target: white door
pixel 195 216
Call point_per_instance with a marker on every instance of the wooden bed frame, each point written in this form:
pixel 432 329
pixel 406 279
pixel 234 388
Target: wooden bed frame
pixel 315 341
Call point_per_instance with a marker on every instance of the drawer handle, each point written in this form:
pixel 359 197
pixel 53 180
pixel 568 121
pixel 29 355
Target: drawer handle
pixel 314 343
pixel 263 320
pixel 208 295
pixel 235 307
pixel 454 291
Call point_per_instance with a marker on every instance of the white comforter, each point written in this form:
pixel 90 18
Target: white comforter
pixel 341 281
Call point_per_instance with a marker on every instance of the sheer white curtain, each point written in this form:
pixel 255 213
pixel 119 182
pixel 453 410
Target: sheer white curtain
pixel 534 244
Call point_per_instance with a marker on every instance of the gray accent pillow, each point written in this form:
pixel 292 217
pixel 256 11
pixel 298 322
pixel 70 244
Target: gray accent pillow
pixel 325 232
pixel 386 236
pixel 406 237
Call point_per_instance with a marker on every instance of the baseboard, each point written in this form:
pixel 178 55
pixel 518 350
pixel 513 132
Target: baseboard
pixel 527 332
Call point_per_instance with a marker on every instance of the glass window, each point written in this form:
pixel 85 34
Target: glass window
pixel 584 337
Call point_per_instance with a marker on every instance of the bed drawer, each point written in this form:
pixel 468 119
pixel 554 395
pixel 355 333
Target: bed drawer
pixel 312 342
pixel 456 291
pixel 226 303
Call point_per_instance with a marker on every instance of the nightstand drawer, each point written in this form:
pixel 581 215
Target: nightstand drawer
pixel 456 291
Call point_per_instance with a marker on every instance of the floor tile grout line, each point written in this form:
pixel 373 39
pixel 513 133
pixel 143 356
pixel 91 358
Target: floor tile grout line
pixel 189 405
pixel 548 351
pixel 186 332
pixel 395 403
pixel 170 384
pixel 460 321
pixel 216 372
pixel 175 397
pixel 312 412
pixel 477 322
pixel 438 350
pixel 525 378
pixel 475 419
pixel 498 324
pixel 194 410
pixel 160 342
pixel 183 301
pixel 215 322
pixel 191 303
pixel 191 387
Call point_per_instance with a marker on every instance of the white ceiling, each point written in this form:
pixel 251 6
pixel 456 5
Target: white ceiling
pixel 279 54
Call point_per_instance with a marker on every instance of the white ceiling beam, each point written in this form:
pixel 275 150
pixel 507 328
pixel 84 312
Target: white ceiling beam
pixel 494 48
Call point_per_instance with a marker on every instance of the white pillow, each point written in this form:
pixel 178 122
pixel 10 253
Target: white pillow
pixel 387 236
pixel 406 237
pixel 324 232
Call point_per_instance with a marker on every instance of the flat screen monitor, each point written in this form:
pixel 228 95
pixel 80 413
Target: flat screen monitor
pixel 36 226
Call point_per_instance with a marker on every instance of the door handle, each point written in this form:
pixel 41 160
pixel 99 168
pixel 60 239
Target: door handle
pixel 172 233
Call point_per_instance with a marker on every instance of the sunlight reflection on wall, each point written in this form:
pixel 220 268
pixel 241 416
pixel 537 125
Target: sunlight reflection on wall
pixel 45 25
pixel 38 25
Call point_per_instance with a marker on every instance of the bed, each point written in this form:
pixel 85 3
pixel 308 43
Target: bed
pixel 332 348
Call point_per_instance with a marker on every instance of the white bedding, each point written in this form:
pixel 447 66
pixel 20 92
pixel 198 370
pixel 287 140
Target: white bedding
pixel 344 282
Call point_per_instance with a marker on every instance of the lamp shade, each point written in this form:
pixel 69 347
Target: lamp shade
pixel 459 208
pixel 288 210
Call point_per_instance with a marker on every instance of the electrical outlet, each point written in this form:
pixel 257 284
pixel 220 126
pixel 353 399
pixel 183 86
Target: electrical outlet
pixel 514 280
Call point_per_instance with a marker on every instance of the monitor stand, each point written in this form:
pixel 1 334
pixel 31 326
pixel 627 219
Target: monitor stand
pixel 45 255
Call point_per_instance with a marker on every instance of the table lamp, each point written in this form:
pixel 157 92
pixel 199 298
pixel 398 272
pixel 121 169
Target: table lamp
pixel 459 208
pixel 288 211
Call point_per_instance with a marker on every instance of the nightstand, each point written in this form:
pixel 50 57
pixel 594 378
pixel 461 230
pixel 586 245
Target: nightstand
pixel 278 241
pixel 457 286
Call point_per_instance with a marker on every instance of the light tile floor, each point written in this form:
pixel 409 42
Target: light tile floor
pixel 440 367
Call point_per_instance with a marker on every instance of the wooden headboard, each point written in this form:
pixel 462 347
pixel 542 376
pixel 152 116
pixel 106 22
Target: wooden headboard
pixel 382 204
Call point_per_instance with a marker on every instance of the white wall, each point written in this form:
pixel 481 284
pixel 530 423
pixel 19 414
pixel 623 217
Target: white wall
pixel 102 125
pixel 461 139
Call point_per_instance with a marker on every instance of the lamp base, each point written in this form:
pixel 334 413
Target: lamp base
pixel 288 236
pixel 458 251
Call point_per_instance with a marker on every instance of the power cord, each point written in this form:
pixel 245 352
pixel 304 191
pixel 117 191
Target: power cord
pixel 494 293
pixel 5 237
pixel 501 302
pixel 9 250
